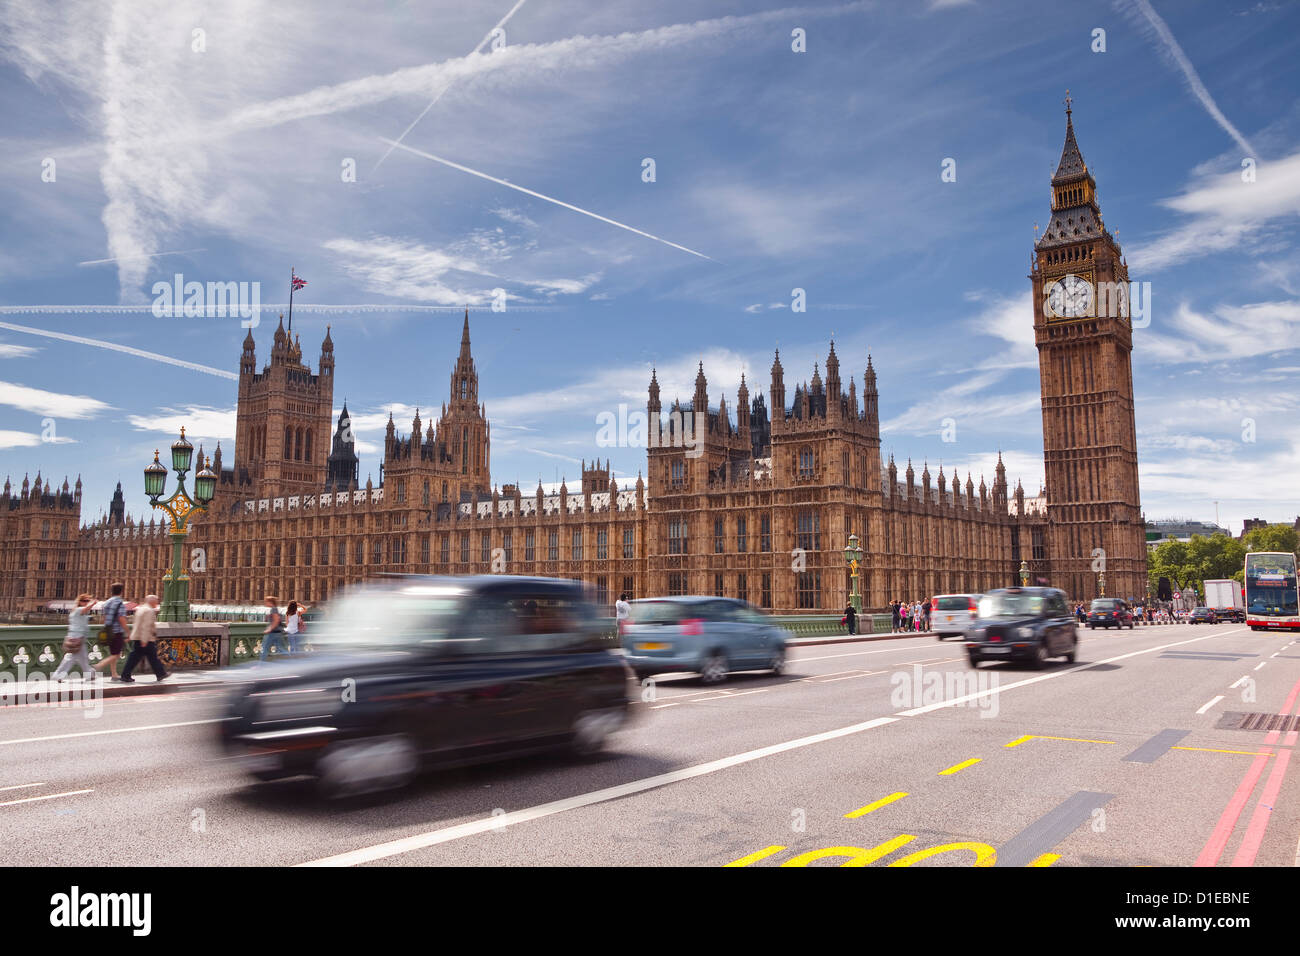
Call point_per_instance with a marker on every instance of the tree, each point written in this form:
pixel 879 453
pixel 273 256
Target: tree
pixel 1192 562
pixel 1274 537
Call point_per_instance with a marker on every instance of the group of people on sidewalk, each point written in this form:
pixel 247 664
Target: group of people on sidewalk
pixel 910 616
pixel 76 645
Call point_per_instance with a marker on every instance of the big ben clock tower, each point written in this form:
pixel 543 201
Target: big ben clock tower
pixel 1085 339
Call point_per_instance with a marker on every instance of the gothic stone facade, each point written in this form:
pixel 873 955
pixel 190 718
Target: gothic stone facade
pixel 751 506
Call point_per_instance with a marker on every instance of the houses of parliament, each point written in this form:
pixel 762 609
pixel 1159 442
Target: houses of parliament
pixel 761 509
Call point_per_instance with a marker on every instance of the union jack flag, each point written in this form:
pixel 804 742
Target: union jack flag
pixel 298 283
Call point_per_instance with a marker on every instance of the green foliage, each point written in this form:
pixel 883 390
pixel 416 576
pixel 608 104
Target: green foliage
pixel 1194 561
pixel 1274 537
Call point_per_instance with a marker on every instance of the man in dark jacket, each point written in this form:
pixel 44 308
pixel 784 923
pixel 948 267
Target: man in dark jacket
pixel 851 618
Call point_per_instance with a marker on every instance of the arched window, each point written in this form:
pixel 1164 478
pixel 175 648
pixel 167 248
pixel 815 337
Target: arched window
pixel 444 491
pixel 306 455
pixel 464 449
pixel 288 442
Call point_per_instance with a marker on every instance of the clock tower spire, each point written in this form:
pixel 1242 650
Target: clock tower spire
pixel 1085 345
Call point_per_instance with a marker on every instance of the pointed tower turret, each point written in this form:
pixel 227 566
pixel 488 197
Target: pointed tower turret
pixel 777 391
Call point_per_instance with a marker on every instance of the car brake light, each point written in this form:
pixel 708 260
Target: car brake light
pixel 693 627
pixel 934 604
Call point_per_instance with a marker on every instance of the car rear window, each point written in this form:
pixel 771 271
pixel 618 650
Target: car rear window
pixel 1104 604
pixel 953 603
pixel 662 612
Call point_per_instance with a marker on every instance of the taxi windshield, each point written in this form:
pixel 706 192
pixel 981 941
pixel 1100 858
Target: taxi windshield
pixel 1010 604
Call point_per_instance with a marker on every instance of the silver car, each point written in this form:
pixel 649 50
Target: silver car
pixel 709 636
pixel 952 615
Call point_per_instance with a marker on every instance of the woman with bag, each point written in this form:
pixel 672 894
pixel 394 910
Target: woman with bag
pixel 76 646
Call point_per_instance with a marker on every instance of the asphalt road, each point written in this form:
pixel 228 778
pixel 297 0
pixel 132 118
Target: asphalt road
pixel 876 754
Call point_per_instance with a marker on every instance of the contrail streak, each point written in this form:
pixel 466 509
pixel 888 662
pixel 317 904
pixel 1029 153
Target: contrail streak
pixel 1189 73
pixel 152 255
pixel 478 49
pixel 138 353
pixel 529 192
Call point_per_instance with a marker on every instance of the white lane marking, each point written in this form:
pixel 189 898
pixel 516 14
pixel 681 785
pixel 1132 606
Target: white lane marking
pixel 852 676
pixel 892 650
pixel 958 701
pixel 23 786
pixel 662 706
pixel 49 796
pixel 1275 653
pixel 1239 681
pixel 730 694
pixel 1260 664
pixel 1207 706
pixel 817 677
pixel 119 730
pixel 446 834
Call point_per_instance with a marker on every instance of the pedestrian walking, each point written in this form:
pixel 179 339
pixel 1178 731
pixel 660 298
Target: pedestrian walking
pixel 76 645
pixel 904 616
pixel 293 625
pixel 895 614
pixel 114 630
pixel 851 618
pixel 926 608
pixel 622 612
pixel 274 627
pixel 144 635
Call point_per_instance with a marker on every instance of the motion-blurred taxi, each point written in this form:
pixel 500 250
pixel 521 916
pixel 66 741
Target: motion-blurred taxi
pixel 416 671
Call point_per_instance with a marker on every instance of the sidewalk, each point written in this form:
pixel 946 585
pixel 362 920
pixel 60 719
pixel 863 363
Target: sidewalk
pixel 77 688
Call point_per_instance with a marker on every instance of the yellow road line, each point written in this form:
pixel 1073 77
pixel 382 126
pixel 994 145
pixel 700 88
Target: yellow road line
pixel 755 857
pixel 863 811
pixel 1212 750
pixel 1047 859
pixel 1078 740
pixel 961 766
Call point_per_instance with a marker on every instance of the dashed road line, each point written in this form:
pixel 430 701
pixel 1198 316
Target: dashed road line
pixel 957 768
pixel 48 796
pixel 1208 704
pixel 884 801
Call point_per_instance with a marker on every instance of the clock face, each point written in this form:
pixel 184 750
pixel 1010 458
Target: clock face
pixel 1070 297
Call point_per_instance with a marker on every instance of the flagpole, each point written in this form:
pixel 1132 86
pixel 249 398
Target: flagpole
pixel 291 275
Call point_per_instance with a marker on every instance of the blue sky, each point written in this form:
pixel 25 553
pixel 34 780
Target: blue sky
pixel 817 170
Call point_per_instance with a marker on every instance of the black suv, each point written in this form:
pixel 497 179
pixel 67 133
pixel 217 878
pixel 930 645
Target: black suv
pixel 1028 624
pixel 418 670
pixel 1110 612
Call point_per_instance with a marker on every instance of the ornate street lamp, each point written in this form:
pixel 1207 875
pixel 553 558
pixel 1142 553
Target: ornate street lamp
pixel 853 555
pixel 1101 583
pixel 1024 574
pixel 180 507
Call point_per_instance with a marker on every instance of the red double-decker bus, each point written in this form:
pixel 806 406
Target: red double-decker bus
pixel 1272 598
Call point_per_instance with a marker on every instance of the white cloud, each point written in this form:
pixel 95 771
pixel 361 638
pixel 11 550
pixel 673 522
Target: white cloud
pixel 53 404
pixel 8 350
pixel 1227 332
pixel 1224 213
pixel 202 423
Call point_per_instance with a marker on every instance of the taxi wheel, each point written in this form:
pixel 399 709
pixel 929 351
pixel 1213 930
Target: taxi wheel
pixel 777 664
pixel 1073 652
pixel 351 768
pixel 590 732
pixel 974 661
pixel 1040 656
pixel 714 669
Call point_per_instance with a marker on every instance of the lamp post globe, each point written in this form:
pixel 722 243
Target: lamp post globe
pixel 182 454
pixel 205 484
pixel 155 478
